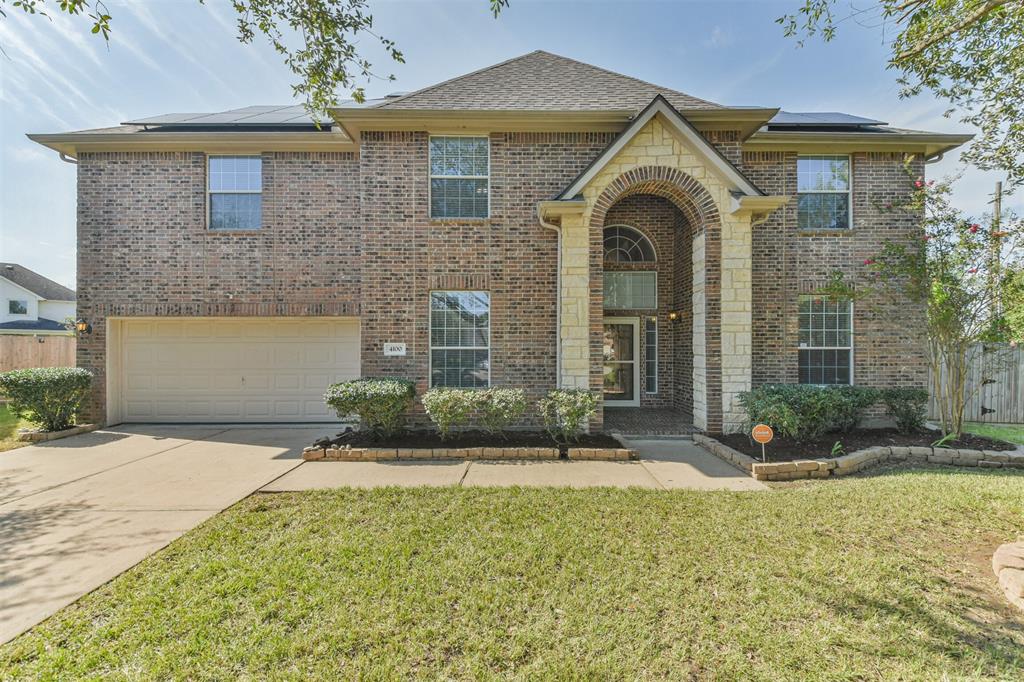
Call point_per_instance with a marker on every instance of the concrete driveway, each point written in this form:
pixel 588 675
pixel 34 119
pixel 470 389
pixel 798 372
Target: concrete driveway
pixel 76 512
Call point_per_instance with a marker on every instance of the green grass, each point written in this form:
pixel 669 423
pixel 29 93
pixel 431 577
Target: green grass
pixel 9 425
pixel 880 577
pixel 1012 433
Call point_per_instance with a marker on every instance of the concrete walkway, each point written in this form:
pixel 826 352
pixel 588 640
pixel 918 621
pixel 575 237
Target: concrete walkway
pixel 76 512
pixel 663 465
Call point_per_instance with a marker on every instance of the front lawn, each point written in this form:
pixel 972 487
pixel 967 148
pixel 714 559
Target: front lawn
pixel 883 576
pixel 1012 433
pixel 9 425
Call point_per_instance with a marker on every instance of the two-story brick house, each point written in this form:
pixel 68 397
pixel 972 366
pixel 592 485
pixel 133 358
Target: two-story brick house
pixel 538 223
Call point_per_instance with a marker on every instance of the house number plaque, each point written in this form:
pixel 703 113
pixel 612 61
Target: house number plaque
pixel 394 349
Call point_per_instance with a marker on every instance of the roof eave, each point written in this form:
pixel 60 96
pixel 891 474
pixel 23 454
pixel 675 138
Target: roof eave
pixel 930 144
pixel 230 140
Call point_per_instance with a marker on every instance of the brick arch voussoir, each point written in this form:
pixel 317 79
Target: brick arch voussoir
pixel 682 189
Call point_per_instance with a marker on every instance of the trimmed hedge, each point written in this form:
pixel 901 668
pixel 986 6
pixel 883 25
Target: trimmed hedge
pixel 566 413
pixel 804 412
pixel 908 406
pixel 380 404
pixel 492 409
pixel 47 396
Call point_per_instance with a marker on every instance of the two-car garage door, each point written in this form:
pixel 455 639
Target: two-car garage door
pixel 231 369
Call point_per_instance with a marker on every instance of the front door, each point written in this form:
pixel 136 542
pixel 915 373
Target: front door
pixel 621 369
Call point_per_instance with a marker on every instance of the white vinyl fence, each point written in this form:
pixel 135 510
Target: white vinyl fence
pixel 999 372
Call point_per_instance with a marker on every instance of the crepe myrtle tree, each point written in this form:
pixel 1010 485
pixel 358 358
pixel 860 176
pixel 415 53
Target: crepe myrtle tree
pixel 965 273
pixel 318 40
pixel 969 53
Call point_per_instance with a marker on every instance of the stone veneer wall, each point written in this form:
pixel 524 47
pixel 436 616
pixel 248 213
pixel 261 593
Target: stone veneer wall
pixel 655 161
pixel 700 356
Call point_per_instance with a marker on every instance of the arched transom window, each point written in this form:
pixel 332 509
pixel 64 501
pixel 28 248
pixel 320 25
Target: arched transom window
pixel 624 244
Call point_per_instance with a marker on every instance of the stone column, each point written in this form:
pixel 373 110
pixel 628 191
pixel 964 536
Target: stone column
pixel 700 359
pixel 736 318
pixel 574 296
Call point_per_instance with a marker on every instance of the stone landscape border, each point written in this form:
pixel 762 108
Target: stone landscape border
pixel 40 436
pixel 349 454
pixel 861 459
pixel 1008 565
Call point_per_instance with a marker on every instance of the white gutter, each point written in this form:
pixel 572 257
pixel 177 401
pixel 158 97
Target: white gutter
pixel 558 294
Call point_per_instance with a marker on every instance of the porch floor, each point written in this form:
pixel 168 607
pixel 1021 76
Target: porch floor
pixel 648 421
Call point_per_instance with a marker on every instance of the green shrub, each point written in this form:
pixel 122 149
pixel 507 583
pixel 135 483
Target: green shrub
pixel 499 408
pixel 492 409
pixel 850 405
pixel 47 396
pixel 804 412
pixel 380 404
pixel 908 406
pixel 566 412
pixel 449 408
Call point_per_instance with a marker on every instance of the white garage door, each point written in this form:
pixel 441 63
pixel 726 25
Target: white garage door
pixel 234 370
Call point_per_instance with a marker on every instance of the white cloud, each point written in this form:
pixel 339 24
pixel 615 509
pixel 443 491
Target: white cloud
pixel 719 37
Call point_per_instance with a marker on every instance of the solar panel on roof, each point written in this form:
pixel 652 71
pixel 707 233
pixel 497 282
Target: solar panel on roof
pixel 262 115
pixel 821 118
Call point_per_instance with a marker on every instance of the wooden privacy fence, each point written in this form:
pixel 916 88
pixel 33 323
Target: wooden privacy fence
pixel 995 386
pixel 18 351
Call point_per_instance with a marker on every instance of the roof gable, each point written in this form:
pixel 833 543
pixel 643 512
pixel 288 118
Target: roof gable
pixel 697 143
pixel 542 81
pixel 33 282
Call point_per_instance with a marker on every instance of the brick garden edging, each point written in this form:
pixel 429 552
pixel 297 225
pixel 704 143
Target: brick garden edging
pixel 861 459
pixel 40 436
pixel 336 454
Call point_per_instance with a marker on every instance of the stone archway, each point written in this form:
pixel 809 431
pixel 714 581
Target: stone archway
pixel 700 211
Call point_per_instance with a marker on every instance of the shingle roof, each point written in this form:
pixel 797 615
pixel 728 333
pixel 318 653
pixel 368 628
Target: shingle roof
pixel 39 325
pixel 42 287
pixel 541 81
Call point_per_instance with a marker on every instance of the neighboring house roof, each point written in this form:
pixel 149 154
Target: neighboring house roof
pixel 38 325
pixel 546 82
pixel 43 287
pixel 700 145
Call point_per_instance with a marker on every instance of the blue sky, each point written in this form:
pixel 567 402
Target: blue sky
pixel 179 55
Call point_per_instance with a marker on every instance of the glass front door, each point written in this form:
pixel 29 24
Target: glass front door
pixel 621 348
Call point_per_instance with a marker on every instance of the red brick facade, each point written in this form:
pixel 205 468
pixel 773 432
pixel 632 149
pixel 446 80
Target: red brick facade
pixel 350 234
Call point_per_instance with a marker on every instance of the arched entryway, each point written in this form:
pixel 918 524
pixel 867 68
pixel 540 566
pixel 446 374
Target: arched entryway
pixel 655 323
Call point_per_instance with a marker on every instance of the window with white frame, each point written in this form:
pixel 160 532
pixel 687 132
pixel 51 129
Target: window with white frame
pixel 459 177
pixel 235 185
pixel 651 355
pixel 826 341
pixel 631 290
pixel 17 307
pixel 823 192
pixel 624 244
pixel 460 339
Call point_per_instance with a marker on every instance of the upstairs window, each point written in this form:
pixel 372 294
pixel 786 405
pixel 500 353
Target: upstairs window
pixel 823 192
pixel 459 177
pixel 624 244
pixel 235 186
pixel 16 307
pixel 826 341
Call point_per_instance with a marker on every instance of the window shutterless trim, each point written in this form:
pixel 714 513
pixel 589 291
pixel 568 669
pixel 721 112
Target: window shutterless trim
pixel 430 333
pixel 848 192
pixel 847 348
pixel 431 177
pixel 209 191
pixel 650 327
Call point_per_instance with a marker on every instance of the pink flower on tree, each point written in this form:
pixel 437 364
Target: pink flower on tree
pixel 974 228
pixel 869 261
pixel 973 270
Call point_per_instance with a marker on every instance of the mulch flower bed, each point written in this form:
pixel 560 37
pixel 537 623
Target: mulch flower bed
pixel 465 439
pixel 786 449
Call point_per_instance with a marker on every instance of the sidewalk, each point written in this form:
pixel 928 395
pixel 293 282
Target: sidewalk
pixel 663 465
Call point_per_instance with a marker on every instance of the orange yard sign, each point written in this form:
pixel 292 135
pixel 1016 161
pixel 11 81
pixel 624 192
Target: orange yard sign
pixel 762 433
